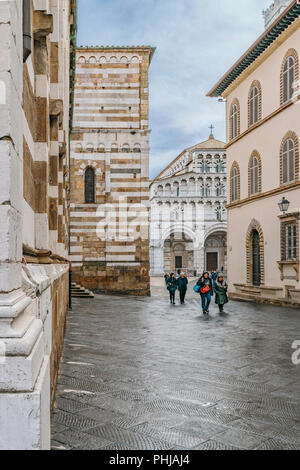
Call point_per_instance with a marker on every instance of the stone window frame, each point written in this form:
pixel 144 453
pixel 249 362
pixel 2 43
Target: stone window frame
pixel 287 220
pixel 255 84
pixel 293 136
pixel 255 225
pixel 238 189
pixel 236 103
pixel 290 53
pixel 255 154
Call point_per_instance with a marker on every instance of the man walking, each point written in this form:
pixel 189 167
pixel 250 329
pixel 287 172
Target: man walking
pixel 182 283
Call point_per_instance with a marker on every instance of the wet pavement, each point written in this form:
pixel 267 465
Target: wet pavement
pixel 138 373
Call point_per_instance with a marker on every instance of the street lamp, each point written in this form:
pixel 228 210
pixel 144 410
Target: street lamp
pixel 284 205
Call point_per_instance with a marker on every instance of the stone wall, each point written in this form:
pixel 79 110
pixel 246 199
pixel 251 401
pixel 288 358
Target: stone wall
pixel 109 233
pixel 34 128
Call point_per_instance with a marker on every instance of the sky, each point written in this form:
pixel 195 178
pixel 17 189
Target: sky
pixel 197 41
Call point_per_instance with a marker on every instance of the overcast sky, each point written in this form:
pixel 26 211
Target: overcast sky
pixel 196 40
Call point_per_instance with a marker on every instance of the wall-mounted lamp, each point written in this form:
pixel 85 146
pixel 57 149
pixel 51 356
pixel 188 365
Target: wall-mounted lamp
pixel 284 205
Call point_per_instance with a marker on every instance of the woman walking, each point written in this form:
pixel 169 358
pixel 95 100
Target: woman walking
pixel 172 287
pixel 221 288
pixel 206 291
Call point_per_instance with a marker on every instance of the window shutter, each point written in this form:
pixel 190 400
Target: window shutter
pixel 285 164
pixel 291 161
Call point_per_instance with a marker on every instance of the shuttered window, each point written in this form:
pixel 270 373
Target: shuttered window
pixel 234 184
pixel 290 241
pixel 288 78
pixel 254 176
pixel 234 121
pixel 254 106
pixel 288 162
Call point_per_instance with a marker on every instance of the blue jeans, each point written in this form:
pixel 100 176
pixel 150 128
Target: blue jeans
pixel 206 299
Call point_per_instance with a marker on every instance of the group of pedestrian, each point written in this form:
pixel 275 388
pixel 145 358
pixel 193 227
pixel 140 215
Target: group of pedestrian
pixel 173 283
pixel 207 286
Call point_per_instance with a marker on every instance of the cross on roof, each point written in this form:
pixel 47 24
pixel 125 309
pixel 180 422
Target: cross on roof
pixel 211 127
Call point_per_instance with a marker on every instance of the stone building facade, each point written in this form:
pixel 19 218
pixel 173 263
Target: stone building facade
pixel 188 216
pixel 262 94
pixel 34 128
pixel 110 170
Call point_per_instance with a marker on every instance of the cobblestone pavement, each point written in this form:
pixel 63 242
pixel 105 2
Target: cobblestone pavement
pixel 138 373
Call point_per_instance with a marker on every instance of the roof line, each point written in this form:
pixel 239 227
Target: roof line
pixel 121 48
pixel 257 48
pixel 188 149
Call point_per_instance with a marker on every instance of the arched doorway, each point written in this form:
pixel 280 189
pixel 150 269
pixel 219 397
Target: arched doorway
pixel 255 254
pixel 256 263
pixel 179 253
pixel 215 252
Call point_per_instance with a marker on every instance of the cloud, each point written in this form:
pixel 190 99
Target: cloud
pixel 197 41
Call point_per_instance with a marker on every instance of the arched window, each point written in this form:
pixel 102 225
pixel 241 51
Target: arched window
pixel 289 75
pixel 235 183
pixel 254 104
pixel 208 190
pixel 254 174
pixel 234 120
pixel 288 79
pixel 89 186
pixel 288 161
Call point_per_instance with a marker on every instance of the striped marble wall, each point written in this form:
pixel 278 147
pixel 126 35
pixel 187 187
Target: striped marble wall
pixel 109 236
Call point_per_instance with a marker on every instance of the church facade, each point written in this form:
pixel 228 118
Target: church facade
pixel 109 244
pixel 188 216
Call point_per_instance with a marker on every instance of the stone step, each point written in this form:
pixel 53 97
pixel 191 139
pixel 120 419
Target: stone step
pixel 80 292
pixel 83 296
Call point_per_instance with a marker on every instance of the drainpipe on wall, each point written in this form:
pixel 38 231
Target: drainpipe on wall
pixel 27 15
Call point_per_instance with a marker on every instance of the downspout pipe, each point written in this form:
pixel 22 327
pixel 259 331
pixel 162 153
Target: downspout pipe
pixel 27 38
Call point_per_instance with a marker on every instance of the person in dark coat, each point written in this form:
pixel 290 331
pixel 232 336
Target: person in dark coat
pixel 206 291
pixel 166 276
pixel 220 289
pixel 214 276
pixel 172 287
pixel 182 283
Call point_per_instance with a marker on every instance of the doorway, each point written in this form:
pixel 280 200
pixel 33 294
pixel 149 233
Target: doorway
pixel 256 264
pixel 178 262
pixel 212 261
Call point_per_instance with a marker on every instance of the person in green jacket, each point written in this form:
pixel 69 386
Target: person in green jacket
pixel 220 289
pixel 172 287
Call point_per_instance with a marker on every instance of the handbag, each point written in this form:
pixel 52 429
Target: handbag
pixel 196 289
pixel 205 289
